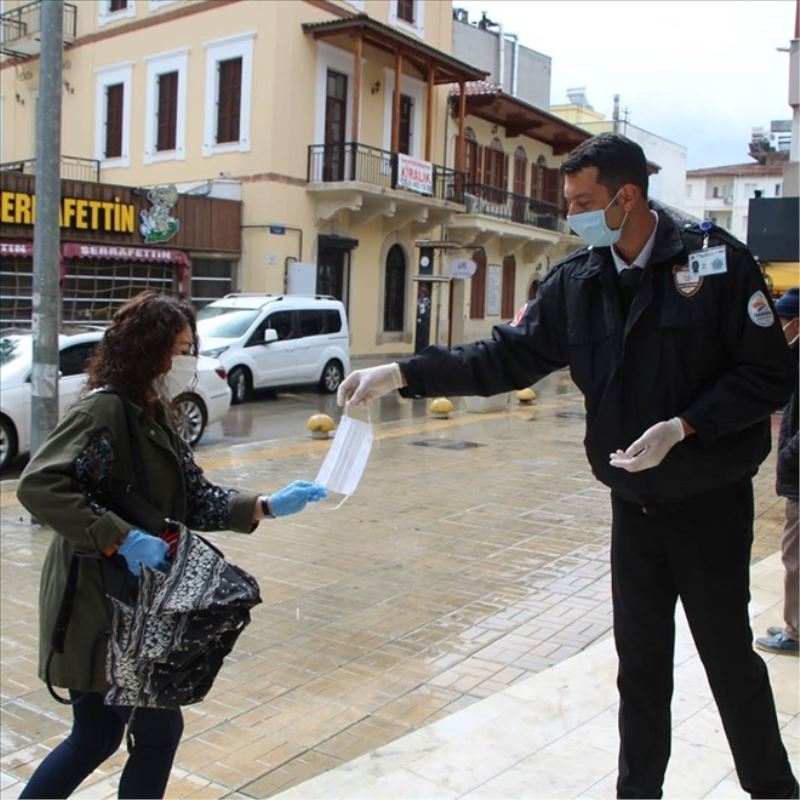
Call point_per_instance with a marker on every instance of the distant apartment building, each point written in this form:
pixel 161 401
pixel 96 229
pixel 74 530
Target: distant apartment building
pixel 337 147
pixel 722 194
pixel 667 183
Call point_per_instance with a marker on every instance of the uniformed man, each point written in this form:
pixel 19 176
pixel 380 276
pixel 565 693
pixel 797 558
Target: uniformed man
pixel 680 373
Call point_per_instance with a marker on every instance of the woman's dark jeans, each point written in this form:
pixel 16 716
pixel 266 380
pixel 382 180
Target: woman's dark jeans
pixel 96 734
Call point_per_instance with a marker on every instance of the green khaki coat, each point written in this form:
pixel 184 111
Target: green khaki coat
pixel 95 431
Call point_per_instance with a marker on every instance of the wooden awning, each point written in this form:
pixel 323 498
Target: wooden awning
pixel 423 57
pixel 490 102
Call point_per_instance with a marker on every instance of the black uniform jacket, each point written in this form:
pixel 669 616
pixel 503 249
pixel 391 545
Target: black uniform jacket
pixel 712 353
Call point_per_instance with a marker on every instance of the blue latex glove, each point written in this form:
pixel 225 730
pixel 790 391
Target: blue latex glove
pixel 293 498
pixel 143 548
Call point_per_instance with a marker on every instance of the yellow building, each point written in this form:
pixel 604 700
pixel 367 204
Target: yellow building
pixel 289 106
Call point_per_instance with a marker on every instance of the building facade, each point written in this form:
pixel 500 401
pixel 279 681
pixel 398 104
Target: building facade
pixel 723 194
pixel 288 110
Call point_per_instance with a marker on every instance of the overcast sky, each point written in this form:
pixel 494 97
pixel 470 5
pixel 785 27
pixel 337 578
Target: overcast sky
pixel 699 72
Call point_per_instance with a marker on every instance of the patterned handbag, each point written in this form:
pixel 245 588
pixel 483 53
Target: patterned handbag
pixel 166 649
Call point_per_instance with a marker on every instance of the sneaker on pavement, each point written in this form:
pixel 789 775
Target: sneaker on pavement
pixel 774 630
pixel 780 643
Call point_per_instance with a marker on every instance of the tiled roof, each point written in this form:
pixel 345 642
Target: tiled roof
pixel 737 170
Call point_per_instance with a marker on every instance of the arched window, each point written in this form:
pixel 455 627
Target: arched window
pixel 538 171
pixel 472 161
pixel 520 168
pixel 394 289
pixel 495 170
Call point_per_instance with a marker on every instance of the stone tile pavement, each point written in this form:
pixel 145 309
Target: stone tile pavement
pixel 459 571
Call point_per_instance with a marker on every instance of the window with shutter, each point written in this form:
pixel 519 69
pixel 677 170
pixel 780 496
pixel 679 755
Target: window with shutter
pixel 406 124
pixel 167 120
pixel 477 289
pixel 405 10
pixel 509 278
pixel 229 99
pixel 117 5
pixel 114 106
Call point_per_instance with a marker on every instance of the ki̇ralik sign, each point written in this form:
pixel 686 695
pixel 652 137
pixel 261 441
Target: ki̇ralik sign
pixel 414 174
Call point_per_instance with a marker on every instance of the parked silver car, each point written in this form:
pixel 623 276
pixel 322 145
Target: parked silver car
pixel 199 405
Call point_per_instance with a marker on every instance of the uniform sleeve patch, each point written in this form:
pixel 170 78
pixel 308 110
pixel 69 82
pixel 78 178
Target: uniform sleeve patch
pixel 759 310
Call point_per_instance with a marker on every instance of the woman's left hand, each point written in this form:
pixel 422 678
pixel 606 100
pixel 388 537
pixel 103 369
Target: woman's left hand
pixel 293 498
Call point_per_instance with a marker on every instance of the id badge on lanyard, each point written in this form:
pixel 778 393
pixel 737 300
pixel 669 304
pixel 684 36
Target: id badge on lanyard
pixel 709 260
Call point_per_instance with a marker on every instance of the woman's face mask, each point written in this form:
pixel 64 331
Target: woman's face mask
pixel 593 228
pixel 181 376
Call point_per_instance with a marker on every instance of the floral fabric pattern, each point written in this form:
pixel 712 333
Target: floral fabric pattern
pixel 93 468
pixel 208 506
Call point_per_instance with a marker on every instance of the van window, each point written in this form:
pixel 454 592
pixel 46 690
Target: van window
pixel 313 323
pixel 224 322
pixel 281 321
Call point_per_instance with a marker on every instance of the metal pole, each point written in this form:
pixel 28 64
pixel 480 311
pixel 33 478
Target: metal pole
pixel 46 235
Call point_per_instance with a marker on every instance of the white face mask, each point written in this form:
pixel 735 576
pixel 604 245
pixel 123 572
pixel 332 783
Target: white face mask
pixel 181 376
pixel 344 465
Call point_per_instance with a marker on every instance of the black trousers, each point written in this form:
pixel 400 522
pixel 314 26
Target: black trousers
pixel 97 732
pixel 698 551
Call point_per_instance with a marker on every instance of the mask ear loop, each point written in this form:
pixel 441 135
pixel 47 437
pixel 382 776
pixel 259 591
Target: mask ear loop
pixel 348 496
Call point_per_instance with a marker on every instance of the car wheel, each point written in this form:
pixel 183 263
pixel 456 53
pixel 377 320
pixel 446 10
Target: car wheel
pixel 191 417
pixel 241 384
pixel 332 376
pixel 8 442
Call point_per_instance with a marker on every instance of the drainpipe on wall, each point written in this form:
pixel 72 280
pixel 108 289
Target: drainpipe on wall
pixel 501 56
pixel 515 68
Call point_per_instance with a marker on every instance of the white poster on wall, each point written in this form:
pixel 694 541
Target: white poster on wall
pixel 494 280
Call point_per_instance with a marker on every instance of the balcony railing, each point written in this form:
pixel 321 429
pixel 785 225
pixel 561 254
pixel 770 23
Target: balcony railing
pixel 20 27
pixel 482 199
pixel 353 161
pixel 72 168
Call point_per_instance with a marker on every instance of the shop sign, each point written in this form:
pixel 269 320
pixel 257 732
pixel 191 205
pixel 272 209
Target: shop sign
pixel 414 174
pixel 463 268
pixel 112 216
pixel 157 225
pixel 121 252
pixel 11 249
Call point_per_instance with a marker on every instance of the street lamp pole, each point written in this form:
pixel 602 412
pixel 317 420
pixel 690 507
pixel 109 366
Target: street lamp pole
pixel 46 233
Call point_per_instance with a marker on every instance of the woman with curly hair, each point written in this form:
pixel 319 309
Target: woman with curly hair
pixel 121 424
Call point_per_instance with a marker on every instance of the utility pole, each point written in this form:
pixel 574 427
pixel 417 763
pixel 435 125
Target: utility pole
pixel 46 233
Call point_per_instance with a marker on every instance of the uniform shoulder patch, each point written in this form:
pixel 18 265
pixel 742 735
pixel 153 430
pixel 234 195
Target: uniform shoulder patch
pixel 759 310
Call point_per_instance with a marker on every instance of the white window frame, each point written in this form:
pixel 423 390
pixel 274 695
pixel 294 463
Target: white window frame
pixel 159 64
pixel 418 27
pixel 108 76
pixel 330 57
pixel 239 46
pixel 105 15
pixel 413 88
pixel 156 4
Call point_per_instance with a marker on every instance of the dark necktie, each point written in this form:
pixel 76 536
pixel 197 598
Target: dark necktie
pixel 629 280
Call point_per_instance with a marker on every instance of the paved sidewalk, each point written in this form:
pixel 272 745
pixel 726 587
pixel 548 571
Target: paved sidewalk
pixel 473 557
pixel 554 735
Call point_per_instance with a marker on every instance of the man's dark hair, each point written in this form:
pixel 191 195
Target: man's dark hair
pixel 617 158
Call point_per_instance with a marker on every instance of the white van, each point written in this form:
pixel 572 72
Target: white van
pixel 267 340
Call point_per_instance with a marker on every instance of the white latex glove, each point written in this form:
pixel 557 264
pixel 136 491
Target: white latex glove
pixel 363 385
pixel 651 448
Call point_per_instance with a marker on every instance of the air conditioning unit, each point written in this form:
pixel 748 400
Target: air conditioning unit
pixel 471 202
pixel 728 199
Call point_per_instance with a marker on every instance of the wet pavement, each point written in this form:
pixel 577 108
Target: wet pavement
pixel 459 569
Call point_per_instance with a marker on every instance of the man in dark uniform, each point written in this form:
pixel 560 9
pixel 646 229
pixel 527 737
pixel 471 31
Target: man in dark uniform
pixel 680 372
